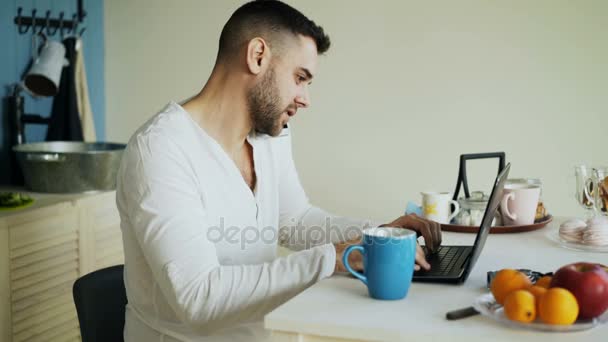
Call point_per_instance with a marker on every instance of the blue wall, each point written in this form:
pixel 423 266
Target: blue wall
pixel 15 56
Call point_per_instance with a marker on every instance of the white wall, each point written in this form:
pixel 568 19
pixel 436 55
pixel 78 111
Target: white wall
pixel 406 87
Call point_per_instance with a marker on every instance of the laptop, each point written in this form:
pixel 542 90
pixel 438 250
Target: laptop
pixel 453 264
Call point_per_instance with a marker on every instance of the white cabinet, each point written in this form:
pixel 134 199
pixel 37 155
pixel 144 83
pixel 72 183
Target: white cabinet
pixel 43 250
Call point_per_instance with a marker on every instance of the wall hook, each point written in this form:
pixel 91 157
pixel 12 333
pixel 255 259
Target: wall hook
pixel 61 25
pixel 75 22
pixel 22 29
pixel 48 24
pixel 33 24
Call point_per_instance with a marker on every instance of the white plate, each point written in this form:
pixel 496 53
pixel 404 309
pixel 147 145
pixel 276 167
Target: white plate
pixel 487 306
pixel 553 235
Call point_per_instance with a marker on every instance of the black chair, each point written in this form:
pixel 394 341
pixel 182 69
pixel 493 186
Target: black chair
pixel 100 299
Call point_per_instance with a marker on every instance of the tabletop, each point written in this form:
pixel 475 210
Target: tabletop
pixel 339 308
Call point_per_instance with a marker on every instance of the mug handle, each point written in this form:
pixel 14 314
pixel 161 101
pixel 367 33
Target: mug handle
pixel 456 210
pixel 348 250
pixel 505 208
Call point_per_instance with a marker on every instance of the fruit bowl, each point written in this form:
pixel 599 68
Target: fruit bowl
pixel 487 306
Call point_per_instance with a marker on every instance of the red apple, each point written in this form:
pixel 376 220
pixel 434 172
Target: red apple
pixel 588 283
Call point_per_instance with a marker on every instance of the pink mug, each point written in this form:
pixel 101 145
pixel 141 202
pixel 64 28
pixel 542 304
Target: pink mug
pixel 518 204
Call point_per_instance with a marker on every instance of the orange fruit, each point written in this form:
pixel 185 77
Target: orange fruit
pixel 538 292
pixel 507 281
pixel 520 306
pixel 558 306
pixel 544 282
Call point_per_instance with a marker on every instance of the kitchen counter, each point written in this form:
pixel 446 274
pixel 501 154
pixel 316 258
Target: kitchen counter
pixel 339 308
pixel 41 200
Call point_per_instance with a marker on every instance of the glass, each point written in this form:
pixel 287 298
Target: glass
pixel 584 187
pixel 472 209
pixel 599 182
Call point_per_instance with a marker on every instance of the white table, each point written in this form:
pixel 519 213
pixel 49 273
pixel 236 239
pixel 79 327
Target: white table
pixel 339 308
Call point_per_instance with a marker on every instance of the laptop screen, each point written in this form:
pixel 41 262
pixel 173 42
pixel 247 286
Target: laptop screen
pixel 488 216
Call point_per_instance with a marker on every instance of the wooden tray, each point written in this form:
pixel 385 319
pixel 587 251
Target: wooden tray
pixel 541 223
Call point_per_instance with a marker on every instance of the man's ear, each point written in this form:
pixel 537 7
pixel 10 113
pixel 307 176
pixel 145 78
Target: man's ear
pixel 258 55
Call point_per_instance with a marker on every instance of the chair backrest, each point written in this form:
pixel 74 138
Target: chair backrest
pixel 100 299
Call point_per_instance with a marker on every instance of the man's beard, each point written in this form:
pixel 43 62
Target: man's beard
pixel 263 102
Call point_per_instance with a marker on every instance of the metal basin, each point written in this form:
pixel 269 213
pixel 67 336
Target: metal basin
pixel 69 167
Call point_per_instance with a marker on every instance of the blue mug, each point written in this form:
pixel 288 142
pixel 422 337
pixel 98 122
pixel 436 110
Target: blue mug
pixel 389 255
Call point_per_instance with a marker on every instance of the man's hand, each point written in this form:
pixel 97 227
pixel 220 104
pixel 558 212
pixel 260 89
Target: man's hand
pixel 430 230
pixel 355 259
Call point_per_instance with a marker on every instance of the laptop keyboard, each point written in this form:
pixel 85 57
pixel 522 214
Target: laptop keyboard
pixel 444 260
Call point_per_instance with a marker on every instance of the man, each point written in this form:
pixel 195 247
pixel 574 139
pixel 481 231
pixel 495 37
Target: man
pixel 206 189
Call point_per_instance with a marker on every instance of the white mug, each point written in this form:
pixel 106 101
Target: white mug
pixel 45 73
pixel 518 204
pixel 436 206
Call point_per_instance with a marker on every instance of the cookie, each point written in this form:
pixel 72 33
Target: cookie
pixel 572 230
pixel 596 233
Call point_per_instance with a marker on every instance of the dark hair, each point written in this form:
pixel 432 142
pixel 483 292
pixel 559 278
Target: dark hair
pixel 269 19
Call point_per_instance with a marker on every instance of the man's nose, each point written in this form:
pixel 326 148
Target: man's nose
pixel 303 99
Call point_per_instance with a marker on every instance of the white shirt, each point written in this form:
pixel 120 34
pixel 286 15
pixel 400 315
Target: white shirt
pixel 200 246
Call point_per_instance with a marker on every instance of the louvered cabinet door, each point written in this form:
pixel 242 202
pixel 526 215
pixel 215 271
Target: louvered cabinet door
pixel 101 225
pixel 44 262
